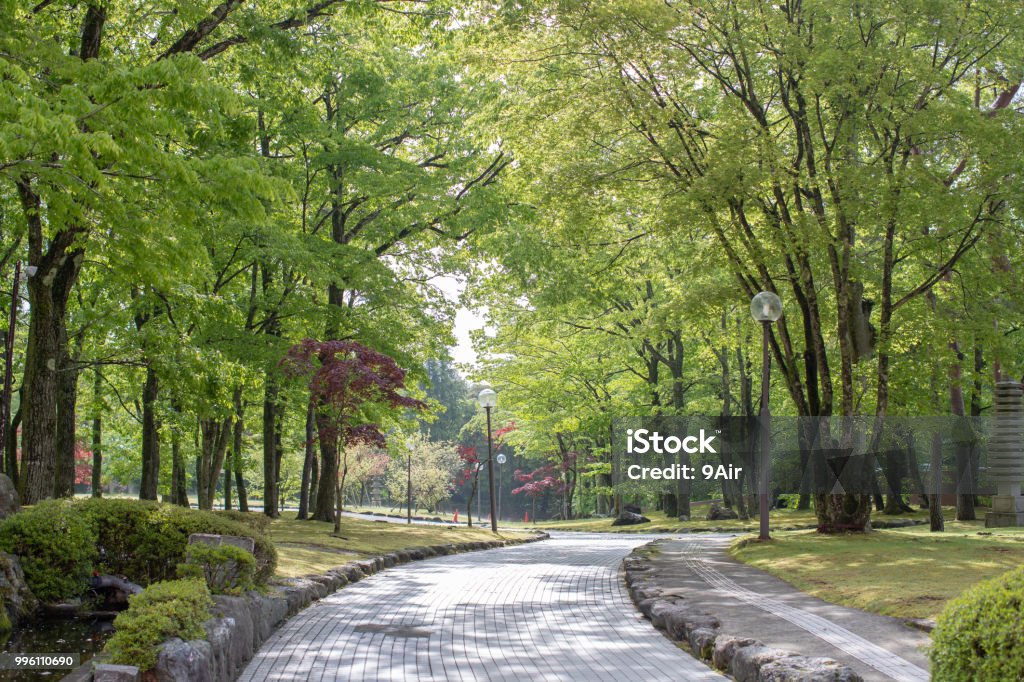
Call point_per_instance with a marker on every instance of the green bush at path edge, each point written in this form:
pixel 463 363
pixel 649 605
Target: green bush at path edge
pixel 146 540
pixel 979 634
pixel 175 608
pixel 61 542
pixel 56 546
pixel 226 569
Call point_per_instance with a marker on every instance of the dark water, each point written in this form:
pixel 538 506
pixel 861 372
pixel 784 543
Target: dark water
pixel 84 636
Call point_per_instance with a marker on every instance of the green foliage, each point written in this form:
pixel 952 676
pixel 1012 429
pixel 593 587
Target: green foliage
pixel 979 633
pixel 146 541
pixel 257 522
pixel 225 568
pixel 175 608
pixel 56 547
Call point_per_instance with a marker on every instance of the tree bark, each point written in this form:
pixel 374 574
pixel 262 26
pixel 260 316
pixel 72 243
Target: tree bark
pixel 48 291
pixel 179 486
pixel 963 439
pixel 307 464
pixel 11 446
pixel 150 436
pixel 236 453
pixel 215 436
pixel 270 430
pixel 227 483
pixel 67 405
pixel 326 488
pixel 97 435
pixel 314 481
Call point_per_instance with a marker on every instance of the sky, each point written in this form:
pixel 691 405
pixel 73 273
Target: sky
pixel 466 320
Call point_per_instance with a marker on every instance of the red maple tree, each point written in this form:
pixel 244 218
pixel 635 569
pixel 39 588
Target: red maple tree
pixel 344 377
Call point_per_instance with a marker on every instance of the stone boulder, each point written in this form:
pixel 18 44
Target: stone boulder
pixel 726 648
pixel 632 509
pixel 747 663
pixel 718 512
pixel 18 600
pixel 9 502
pixel 106 672
pixel 180 660
pixel 806 669
pixel 627 518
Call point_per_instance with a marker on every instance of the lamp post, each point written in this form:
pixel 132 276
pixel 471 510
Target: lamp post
pixel 410 446
pixel 766 308
pixel 501 460
pixel 488 399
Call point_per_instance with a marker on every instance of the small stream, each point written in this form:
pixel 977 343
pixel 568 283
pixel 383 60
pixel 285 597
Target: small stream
pixel 84 636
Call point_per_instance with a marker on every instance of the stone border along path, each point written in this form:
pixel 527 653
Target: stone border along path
pixel 240 625
pixel 555 610
pixel 667 596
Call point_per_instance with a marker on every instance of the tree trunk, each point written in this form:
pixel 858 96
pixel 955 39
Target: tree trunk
pixel 179 487
pixel 278 455
pixel 48 291
pixel 11 446
pixel 314 481
pixel 227 483
pixel 215 436
pixel 236 453
pixel 97 435
pixel 150 436
pixel 270 429
pixel 936 521
pixel 963 438
pixel 307 463
pixel 327 487
pixel 67 405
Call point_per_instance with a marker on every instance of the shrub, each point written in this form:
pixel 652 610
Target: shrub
pixel 979 633
pixel 146 541
pixel 175 608
pixel 56 547
pixel 225 568
pixel 258 522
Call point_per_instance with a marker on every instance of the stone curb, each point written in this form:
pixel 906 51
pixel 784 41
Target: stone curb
pixel 242 624
pixel 746 660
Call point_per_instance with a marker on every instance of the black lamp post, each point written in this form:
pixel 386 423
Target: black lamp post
pixel 766 308
pixel 488 399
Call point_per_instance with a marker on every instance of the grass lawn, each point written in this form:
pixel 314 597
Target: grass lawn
pixel 307 547
pixel 907 572
pixel 778 519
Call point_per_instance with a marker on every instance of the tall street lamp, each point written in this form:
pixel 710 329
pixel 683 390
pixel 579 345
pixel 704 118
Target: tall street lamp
pixel 766 308
pixel 488 399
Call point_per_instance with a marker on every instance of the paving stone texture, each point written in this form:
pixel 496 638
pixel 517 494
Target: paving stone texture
pixel 751 603
pixel 551 610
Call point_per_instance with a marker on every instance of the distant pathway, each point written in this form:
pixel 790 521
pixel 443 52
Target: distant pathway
pixel 551 610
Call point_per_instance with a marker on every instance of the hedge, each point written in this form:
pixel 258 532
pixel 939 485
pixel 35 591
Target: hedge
pixel 143 541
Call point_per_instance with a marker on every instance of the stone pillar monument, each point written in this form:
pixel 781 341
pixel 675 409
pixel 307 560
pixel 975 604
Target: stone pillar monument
pixel 1006 457
pixel 376 485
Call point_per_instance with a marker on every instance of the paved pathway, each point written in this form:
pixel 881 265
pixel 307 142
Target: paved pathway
pixel 551 610
pixel 751 603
